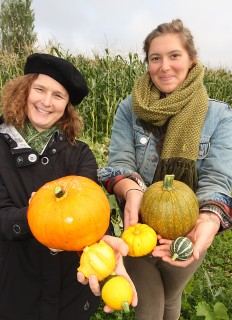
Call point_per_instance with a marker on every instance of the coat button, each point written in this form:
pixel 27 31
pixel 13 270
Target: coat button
pixel 153 158
pixel 32 157
pixel 44 160
pixel 16 229
pixel 20 160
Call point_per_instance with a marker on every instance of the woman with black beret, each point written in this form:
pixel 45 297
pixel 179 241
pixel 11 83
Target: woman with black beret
pixel 38 130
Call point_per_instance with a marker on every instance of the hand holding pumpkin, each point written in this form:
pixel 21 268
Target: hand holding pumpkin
pixel 203 233
pixel 108 289
pixel 121 271
pixel 101 258
pixel 201 236
pixel 120 249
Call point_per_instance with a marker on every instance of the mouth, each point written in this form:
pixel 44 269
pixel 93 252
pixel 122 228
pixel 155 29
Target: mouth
pixel 166 78
pixel 42 111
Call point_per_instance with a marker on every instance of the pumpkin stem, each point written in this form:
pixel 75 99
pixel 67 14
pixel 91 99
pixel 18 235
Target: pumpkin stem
pixel 125 307
pixel 174 256
pixel 59 192
pixel 168 182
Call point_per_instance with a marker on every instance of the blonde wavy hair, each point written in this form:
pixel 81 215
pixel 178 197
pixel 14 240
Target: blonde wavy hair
pixel 175 26
pixel 14 108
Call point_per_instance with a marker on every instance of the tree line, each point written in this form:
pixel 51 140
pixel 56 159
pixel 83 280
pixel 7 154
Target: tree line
pixel 17 33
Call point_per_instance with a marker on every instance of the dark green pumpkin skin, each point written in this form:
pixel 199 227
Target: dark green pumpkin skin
pixel 171 212
pixel 181 249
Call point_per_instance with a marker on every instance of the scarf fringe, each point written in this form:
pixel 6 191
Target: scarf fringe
pixel 183 169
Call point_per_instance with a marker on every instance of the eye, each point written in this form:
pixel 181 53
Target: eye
pixel 38 89
pixel 155 58
pixel 175 55
pixel 57 95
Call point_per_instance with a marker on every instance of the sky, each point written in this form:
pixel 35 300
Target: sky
pixel 91 26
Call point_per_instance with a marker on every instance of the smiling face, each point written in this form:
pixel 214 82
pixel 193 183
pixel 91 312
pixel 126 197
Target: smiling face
pixel 168 62
pixel 46 102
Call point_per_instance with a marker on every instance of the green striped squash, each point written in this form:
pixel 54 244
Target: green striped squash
pixel 170 207
pixel 181 249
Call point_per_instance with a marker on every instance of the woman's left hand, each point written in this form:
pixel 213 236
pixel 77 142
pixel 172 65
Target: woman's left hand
pixel 120 249
pixel 201 236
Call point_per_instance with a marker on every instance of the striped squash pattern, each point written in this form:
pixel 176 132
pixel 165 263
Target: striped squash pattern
pixel 181 249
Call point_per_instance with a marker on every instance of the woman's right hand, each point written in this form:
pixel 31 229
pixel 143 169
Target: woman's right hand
pixel 132 207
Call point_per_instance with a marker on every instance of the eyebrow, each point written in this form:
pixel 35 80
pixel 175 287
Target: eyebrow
pixel 44 87
pixel 170 52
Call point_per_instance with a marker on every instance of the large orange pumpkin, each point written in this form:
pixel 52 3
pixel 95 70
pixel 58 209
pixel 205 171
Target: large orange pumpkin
pixel 170 207
pixel 69 213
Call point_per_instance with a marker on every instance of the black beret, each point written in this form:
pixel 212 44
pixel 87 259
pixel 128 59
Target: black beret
pixel 62 71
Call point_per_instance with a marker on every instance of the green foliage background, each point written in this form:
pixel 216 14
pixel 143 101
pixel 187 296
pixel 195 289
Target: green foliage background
pixel 110 79
pixel 16 26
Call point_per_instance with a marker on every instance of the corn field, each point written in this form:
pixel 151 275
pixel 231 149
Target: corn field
pixel 110 79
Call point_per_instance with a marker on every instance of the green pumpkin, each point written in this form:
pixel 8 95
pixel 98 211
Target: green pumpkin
pixel 170 207
pixel 181 249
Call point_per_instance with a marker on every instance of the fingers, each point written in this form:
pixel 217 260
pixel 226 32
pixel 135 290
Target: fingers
pixel 32 194
pixel 117 244
pixel 161 251
pixel 196 253
pixel 126 221
pixel 182 264
pixel 107 309
pixel 55 250
pixel 130 219
pixel 81 278
pixel 94 285
pixel 164 241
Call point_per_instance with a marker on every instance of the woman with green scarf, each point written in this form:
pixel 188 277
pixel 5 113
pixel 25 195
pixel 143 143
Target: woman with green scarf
pixel 168 125
pixel 39 127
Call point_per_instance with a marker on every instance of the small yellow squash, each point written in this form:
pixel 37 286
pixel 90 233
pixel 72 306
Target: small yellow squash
pixel 117 293
pixel 98 259
pixel 140 238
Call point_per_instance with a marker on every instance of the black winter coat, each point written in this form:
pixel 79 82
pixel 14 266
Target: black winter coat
pixel 34 284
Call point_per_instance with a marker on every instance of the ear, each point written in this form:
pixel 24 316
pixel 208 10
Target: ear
pixel 193 61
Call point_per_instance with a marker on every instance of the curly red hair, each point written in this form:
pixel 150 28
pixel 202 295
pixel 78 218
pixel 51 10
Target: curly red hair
pixel 14 108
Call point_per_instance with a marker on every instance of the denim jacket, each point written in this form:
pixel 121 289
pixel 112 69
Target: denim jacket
pixel 132 149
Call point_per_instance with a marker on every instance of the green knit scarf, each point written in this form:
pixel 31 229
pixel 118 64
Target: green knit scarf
pixel 185 109
pixel 35 139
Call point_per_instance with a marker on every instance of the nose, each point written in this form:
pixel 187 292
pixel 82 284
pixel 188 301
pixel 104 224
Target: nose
pixel 47 99
pixel 165 65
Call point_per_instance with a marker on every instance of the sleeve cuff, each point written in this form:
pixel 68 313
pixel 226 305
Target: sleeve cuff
pixel 221 210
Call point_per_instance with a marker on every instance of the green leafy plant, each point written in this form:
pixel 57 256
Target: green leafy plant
pixel 219 311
